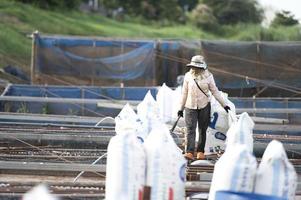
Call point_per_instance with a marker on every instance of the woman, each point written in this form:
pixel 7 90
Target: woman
pixel 198 81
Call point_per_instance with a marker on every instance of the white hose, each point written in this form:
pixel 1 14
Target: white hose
pixel 108 117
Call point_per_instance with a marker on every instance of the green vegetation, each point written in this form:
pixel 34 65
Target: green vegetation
pixel 53 4
pixel 284 18
pixel 23 108
pixel 235 11
pixel 46 109
pixel 18 20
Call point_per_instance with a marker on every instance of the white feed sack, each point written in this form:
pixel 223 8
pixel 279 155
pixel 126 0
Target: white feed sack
pixel 232 118
pixel 219 117
pixel 234 171
pixel 164 99
pixel 176 98
pixel 241 132
pixel 215 141
pixel 125 120
pixel 125 169
pixel 39 192
pixel 128 121
pixel 165 165
pixel 177 168
pixel 276 175
pixel 148 112
pixel 219 125
pixel 168 101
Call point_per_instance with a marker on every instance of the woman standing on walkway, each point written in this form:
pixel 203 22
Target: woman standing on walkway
pixel 198 81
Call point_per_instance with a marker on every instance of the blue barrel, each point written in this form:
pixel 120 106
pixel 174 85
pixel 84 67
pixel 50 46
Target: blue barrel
pixel 228 195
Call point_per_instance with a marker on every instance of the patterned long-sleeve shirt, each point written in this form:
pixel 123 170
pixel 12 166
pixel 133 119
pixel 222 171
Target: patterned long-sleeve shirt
pixel 192 97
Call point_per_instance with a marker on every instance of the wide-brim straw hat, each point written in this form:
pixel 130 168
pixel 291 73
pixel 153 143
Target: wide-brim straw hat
pixel 198 62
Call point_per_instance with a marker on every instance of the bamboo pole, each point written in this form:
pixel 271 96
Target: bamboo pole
pixel 33 56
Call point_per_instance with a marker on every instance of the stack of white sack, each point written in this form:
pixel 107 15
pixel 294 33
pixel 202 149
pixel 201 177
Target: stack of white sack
pixel 219 125
pixel 168 101
pixel 148 112
pixel 39 192
pixel 165 165
pixel 234 171
pixel 126 160
pixel 276 175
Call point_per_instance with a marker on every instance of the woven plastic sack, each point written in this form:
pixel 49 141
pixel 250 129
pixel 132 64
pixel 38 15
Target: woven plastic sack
pixel 228 195
pixel 215 141
pixel 164 98
pixel 175 101
pixel 241 132
pixel 128 121
pixel 219 117
pixel 276 175
pixel 234 171
pixel 39 192
pixel 148 112
pixel 165 165
pixel 125 169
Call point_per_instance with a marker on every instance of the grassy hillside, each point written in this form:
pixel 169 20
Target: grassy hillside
pixel 19 20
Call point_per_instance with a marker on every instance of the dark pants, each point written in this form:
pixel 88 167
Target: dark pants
pixel 192 117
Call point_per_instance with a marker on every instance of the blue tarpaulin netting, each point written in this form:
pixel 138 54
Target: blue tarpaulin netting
pixel 92 58
pixel 251 66
pixel 108 61
pixel 255 64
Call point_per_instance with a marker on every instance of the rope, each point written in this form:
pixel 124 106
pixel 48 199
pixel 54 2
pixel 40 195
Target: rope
pixel 82 172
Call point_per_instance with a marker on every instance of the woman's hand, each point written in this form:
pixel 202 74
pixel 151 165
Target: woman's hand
pixel 227 108
pixel 180 113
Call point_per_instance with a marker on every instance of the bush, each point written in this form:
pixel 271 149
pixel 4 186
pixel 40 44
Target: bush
pixel 158 10
pixel 54 4
pixel 282 33
pixel 255 32
pixel 202 16
pixel 235 11
pixel 284 18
